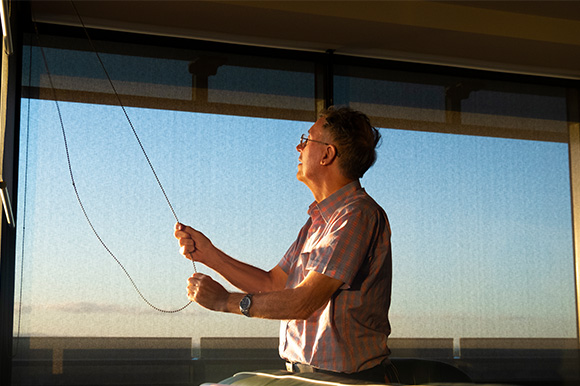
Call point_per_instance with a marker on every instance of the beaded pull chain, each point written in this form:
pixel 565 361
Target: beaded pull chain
pixel 71 171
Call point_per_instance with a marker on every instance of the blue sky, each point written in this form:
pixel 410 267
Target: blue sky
pixel 482 240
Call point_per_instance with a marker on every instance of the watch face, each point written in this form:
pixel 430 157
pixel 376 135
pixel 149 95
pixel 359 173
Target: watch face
pixel 245 304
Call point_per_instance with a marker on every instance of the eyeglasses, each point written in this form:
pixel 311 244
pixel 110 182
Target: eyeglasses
pixel 304 141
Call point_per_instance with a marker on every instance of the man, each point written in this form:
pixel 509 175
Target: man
pixel 332 288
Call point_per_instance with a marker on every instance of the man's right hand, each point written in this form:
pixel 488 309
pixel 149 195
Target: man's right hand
pixel 194 245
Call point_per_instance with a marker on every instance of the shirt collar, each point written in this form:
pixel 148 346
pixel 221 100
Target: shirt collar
pixel 330 204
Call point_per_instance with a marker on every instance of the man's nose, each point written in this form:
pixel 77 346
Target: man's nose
pixel 299 147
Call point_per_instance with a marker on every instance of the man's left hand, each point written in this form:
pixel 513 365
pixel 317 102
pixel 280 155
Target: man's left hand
pixel 207 292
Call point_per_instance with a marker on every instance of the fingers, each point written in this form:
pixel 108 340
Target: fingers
pixel 181 230
pixel 192 241
pixel 184 235
pixel 206 292
pixel 193 285
pixel 186 242
pixel 187 246
pixel 196 278
pixel 191 290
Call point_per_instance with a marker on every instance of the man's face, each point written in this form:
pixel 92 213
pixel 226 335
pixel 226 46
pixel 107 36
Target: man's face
pixel 311 154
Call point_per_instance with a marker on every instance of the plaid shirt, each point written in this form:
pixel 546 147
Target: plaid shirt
pixel 347 237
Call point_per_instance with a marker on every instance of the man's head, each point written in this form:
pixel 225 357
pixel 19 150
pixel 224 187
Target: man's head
pixel 355 140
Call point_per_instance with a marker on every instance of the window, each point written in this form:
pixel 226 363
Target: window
pixel 473 172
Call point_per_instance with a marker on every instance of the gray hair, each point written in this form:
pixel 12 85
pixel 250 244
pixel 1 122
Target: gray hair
pixel 355 139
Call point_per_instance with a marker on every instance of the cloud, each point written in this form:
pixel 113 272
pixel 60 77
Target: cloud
pixel 90 308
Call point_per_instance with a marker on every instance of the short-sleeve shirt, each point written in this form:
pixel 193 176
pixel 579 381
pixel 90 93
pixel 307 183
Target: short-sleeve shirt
pixel 347 237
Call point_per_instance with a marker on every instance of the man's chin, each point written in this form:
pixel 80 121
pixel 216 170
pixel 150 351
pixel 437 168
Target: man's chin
pixel 299 176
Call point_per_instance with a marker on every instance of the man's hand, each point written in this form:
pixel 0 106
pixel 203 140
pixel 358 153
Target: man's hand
pixel 193 244
pixel 208 293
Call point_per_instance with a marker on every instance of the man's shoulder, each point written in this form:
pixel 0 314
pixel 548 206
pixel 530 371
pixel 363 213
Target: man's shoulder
pixel 360 203
pixel 360 198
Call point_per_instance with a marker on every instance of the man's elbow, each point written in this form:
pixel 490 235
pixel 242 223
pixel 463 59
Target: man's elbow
pixel 305 310
pixel 276 280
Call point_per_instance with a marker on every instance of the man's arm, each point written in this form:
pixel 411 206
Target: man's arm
pixel 295 303
pixel 196 246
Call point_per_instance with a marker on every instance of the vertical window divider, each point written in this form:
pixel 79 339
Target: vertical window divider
pixel 324 82
pixel 329 83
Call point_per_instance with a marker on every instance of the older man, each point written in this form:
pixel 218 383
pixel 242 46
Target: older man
pixel 332 288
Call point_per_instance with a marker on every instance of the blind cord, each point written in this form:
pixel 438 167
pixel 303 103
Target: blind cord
pixel 53 89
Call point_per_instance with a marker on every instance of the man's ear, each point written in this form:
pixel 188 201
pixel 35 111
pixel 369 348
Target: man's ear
pixel 329 155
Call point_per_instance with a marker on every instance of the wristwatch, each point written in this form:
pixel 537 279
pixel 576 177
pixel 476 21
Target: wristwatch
pixel 245 304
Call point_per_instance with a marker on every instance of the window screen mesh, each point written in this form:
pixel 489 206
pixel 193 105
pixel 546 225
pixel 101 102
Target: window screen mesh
pixel 473 173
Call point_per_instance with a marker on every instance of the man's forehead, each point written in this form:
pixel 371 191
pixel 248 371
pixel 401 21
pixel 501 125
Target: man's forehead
pixel 318 126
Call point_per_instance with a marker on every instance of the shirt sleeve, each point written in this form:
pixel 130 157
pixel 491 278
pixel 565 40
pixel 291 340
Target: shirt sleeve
pixel 346 243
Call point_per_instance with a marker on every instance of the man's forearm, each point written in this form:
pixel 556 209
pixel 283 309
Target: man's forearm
pixel 279 305
pixel 293 303
pixel 243 276
pixel 197 247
